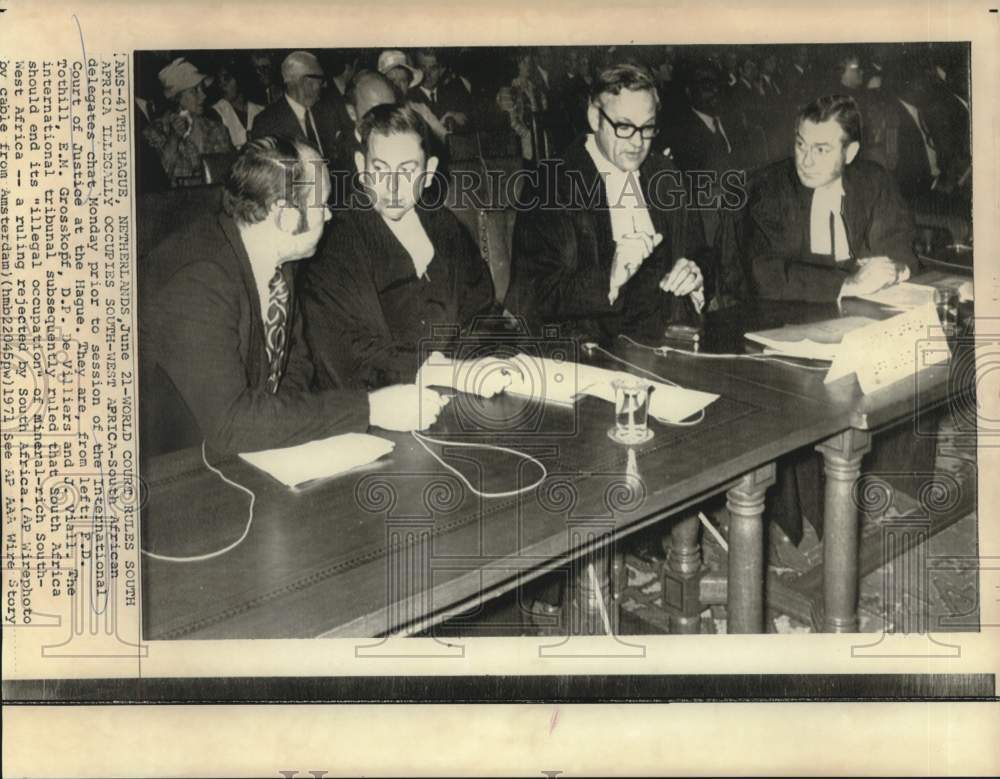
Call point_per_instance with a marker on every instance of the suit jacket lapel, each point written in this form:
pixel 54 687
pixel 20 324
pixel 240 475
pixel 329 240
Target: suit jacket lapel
pixel 256 351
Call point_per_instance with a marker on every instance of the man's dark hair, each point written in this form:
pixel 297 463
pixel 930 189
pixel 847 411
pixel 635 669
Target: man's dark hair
pixel 391 119
pixel 268 170
pixel 614 78
pixel 843 108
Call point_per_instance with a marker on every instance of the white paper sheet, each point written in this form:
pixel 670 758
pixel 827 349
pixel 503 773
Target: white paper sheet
pixel 904 296
pixel 890 350
pixel 562 382
pixel 814 341
pixel 296 465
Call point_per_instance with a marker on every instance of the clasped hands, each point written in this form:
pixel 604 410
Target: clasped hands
pixel 874 274
pixel 632 250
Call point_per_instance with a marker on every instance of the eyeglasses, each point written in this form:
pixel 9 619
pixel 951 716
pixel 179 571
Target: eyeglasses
pixel 627 130
pixel 320 79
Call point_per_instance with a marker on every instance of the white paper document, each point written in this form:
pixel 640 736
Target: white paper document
pixel 813 341
pixel 905 296
pixel 887 351
pixel 296 465
pixel 558 381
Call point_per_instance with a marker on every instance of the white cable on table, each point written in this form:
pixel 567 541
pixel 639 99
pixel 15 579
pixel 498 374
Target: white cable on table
pixel 420 438
pixel 228 548
pixel 613 356
pixel 663 350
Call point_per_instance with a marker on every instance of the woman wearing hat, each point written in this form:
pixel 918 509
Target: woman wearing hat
pixel 183 134
pixel 395 66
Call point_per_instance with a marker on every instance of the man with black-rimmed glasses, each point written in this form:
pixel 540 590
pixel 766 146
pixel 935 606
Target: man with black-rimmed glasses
pixel 608 246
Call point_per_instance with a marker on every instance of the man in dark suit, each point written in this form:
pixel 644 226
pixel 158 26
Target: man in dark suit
pixel 445 95
pixel 606 249
pixel 366 90
pixel 823 224
pixel 299 114
pixel 341 67
pixel 910 149
pixel 394 271
pixel 698 136
pixel 224 360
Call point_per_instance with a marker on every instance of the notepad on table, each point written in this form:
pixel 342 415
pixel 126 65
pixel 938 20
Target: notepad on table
pixel 904 296
pixel 813 341
pixel 293 466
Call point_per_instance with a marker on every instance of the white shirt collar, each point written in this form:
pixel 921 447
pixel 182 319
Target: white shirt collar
pixel 297 108
pixel 708 119
pixel 263 263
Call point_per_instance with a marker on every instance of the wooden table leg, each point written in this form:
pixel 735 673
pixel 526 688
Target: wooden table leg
pixel 842 458
pixel 745 590
pixel 592 598
pixel 684 559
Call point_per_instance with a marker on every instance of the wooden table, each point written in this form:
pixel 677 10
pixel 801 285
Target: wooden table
pixel 403 544
pixel 928 389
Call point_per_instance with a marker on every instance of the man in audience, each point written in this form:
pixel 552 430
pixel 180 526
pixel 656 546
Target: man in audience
pixel 394 270
pixel 824 225
pixel 606 250
pixel 445 96
pixel 300 114
pixel 341 67
pixel 222 349
pixel 911 149
pixel 366 90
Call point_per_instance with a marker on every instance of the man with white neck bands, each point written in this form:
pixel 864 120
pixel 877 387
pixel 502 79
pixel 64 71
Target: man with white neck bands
pixel 609 247
pixel 224 357
pixel 825 224
pixel 393 272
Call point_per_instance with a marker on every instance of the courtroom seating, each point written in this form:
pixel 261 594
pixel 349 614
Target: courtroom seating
pixel 216 166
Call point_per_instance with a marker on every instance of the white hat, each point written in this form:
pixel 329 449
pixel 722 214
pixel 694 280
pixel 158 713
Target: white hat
pixel 394 58
pixel 178 76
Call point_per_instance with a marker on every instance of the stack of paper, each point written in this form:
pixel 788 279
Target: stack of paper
pixel 904 296
pixel 814 341
pixel 295 465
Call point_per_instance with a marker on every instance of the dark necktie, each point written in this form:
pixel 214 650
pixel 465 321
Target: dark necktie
pixel 276 329
pixel 313 136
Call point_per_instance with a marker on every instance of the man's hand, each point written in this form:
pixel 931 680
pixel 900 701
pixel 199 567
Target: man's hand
pixel 456 118
pixel 874 274
pixel 487 376
pixel 483 376
pixel 405 407
pixel 630 252
pixel 684 278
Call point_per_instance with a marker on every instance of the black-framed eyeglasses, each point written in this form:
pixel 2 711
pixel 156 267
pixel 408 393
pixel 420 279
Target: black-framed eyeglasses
pixel 627 130
pixel 320 79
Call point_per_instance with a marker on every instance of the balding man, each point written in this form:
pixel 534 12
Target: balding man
pixel 365 91
pixel 300 115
